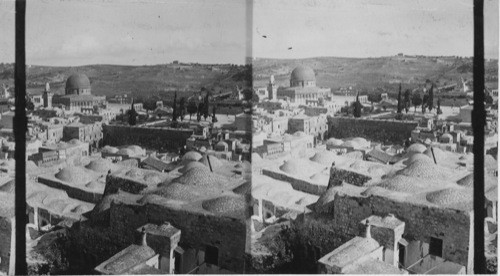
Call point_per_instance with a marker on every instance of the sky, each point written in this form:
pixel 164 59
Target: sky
pixel 138 32
pixel 369 28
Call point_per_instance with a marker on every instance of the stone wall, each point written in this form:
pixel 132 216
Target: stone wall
pixel 73 192
pixel 297 184
pixel 147 137
pixel 338 176
pixel 330 230
pixel 198 229
pixel 384 131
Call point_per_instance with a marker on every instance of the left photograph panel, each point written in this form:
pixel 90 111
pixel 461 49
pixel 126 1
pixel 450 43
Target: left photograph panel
pixel 139 136
pixel 7 162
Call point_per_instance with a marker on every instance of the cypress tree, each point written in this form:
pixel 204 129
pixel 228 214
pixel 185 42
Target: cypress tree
pixel 174 114
pixel 132 115
pixel 400 108
pixel 430 102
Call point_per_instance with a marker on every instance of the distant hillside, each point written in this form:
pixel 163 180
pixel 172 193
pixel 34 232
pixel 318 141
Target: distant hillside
pixel 368 74
pixel 110 80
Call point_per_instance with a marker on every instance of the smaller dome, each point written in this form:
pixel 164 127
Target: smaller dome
pixel 447 137
pixel 108 149
pixel 203 149
pixel 227 205
pixel 8 187
pixel 137 150
pixel 334 142
pixel 417 147
pixel 418 157
pixel 295 166
pixel 362 142
pixel 126 152
pixel 190 165
pixel 324 157
pixel 299 134
pixel 451 197
pixel 74 175
pixel 192 156
pixel 222 144
pixel 74 142
pixel 351 144
pixel 79 209
pixel 214 161
pixel 101 165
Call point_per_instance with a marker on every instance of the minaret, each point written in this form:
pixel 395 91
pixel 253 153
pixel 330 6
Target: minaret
pixel 271 89
pixel 47 96
pixel 144 235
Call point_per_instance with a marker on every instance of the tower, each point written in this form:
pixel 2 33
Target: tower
pixel 271 89
pixel 47 96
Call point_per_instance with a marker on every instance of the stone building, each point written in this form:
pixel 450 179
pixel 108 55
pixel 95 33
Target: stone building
pixel 87 133
pixel 208 209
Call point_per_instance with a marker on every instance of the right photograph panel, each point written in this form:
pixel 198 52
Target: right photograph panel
pixel 362 137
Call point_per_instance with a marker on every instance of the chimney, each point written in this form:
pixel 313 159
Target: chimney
pixel 143 237
pixel 368 228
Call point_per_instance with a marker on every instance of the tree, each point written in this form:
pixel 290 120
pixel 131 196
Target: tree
pixel 192 108
pixel 425 101
pixel 214 118
pixel 400 104
pixel 247 94
pixel 149 104
pixel 30 106
pixel 407 101
pixel 206 106
pixel 182 107
pixel 430 99
pixel 132 115
pixel 174 107
pixel 416 100
pixel 357 107
pixel 374 97
pixel 199 112
pixel 439 111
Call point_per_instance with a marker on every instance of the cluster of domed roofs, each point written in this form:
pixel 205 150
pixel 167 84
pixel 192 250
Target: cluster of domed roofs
pixel 131 150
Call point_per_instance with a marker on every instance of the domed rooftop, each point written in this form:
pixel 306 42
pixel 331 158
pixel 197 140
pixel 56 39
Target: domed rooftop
pixel 451 197
pixel 418 157
pixel 192 156
pixel 468 181
pixel 244 188
pixel 126 151
pixel 302 73
pixel 101 165
pixel 227 205
pixel 190 165
pixel 214 161
pixel 447 136
pixel 137 150
pixel 354 155
pixel 74 141
pixel 361 141
pixel 8 187
pixel 323 157
pixel 202 177
pixel 295 166
pixel 78 81
pixel 438 153
pixel 222 144
pixel 424 169
pixel 320 177
pixel 299 134
pixel 109 149
pixel 94 185
pixel 177 191
pixel 351 144
pixel 334 142
pixel 74 175
pixel 417 147
pixel 80 209
pixel 406 184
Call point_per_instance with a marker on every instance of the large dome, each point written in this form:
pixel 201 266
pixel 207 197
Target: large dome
pixel 302 75
pixel 76 83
